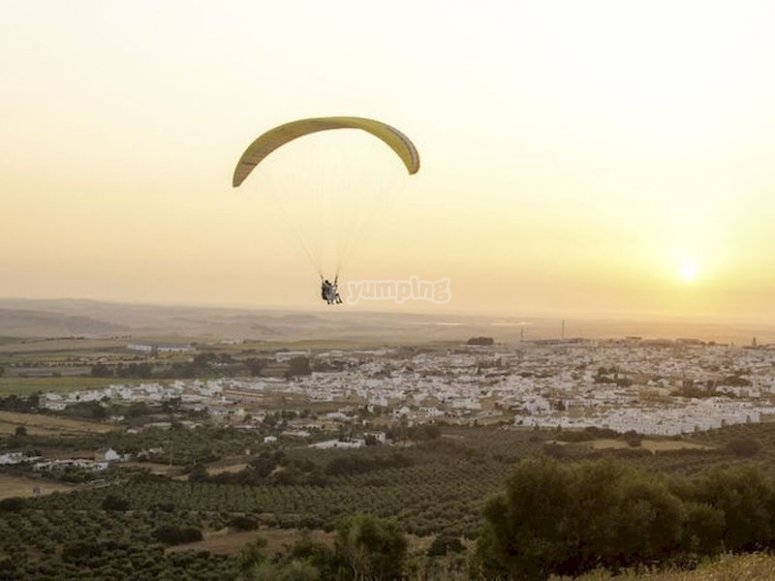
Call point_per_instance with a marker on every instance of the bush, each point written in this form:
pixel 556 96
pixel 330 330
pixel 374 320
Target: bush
pixel 243 523
pixel 113 502
pixel 171 535
pixel 633 439
pixel 445 544
pixel 480 341
pixel 13 504
pixel 743 447
pixel 371 547
pixel 298 366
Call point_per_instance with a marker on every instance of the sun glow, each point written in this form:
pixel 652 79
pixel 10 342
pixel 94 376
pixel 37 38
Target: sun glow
pixel 688 271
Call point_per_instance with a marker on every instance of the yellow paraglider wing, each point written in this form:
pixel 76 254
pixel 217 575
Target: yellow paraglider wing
pixel 279 136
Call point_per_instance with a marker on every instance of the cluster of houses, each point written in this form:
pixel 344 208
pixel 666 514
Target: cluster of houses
pixel 652 387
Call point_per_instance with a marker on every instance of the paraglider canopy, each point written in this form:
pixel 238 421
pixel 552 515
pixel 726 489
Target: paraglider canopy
pixel 279 136
pixel 330 185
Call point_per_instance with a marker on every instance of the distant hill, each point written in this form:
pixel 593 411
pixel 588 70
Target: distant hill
pixel 27 323
pixel 66 317
pixel 78 317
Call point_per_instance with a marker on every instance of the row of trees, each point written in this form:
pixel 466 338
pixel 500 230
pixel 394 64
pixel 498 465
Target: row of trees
pixel 364 547
pixel 556 518
pixel 20 403
pixel 552 518
pixel 275 468
pixel 202 365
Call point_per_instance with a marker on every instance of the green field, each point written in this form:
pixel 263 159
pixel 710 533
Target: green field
pixel 24 487
pixel 43 424
pixel 64 345
pixel 28 385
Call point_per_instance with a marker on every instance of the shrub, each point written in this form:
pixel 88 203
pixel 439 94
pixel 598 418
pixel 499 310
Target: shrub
pixel 445 544
pixel 13 504
pixel 113 502
pixel 743 447
pixel 243 523
pixel 171 535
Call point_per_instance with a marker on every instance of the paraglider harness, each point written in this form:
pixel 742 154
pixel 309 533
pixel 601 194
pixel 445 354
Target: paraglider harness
pixel 329 291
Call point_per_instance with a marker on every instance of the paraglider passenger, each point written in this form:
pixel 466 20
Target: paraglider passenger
pixel 325 291
pixel 329 292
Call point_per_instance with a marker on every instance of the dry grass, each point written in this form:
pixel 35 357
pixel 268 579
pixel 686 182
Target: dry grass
pixel 64 345
pixel 19 486
pixel 212 471
pixel 652 445
pixel 753 567
pixel 26 385
pixel 153 468
pixel 670 445
pixel 48 425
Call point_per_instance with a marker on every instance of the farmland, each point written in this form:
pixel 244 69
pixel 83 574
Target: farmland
pixel 189 474
pixel 38 424
pixel 11 486
pixel 439 487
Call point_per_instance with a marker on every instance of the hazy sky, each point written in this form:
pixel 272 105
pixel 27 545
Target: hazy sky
pixel 600 158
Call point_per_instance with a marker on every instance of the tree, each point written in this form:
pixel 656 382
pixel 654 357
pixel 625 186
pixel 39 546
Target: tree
pixel 171 406
pixel 87 409
pixel 633 439
pixel 703 529
pixel 204 360
pixel 298 366
pixel 370 547
pixel 243 523
pixel 2 371
pixel 137 370
pixel 12 504
pixel 743 447
pixel 480 341
pixel 20 432
pixel 101 370
pixel 198 473
pixel 137 409
pixel 265 463
pixel 562 519
pixel 621 516
pixel 305 560
pixel 251 555
pixel 524 525
pixel 255 365
pixel 746 498
pixel 444 544
pixel 172 535
pixel 113 502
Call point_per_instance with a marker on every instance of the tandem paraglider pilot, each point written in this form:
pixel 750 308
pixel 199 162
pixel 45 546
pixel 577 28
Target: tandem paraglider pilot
pixel 329 292
pixel 277 137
